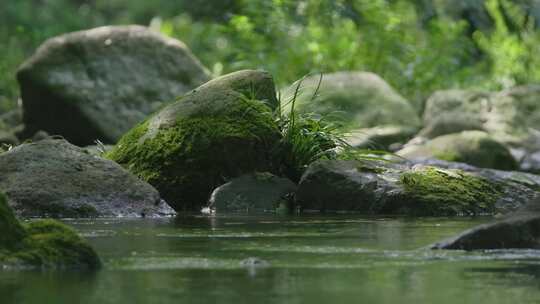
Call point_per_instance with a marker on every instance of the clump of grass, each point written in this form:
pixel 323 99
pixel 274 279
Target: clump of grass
pixel 306 137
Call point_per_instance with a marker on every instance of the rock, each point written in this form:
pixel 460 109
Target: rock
pixel 475 148
pixel 517 230
pixel 54 178
pixel 44 244
pixel 256 192
pixel 383 187
pixel 8 138
pixel 520 231
pixel 380 138
pixel 453 111
pixel 508 116
pixel 356 100
pixel 99 83
pixel 511 117
pixel 219 131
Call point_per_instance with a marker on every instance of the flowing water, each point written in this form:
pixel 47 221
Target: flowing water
pixel 266 259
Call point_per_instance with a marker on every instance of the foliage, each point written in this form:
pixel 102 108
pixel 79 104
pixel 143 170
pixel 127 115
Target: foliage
pixel 392 38
pixel 511 46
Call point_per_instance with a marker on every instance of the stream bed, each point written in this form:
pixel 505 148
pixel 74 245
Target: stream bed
pixel 270 259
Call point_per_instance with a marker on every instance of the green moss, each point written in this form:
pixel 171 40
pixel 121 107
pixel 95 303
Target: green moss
pixel 187 160
pixel 46 244
pixel 52 244
pixel 11 231
pixel 434 191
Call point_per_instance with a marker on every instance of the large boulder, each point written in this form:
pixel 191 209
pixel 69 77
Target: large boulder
pixel 388 137
pixel 43 244
pixel 355 100
pixel 54 178
pixel 99 83
pixel 256 192
pixel 475 148
pixel 219 131
pixel 385 187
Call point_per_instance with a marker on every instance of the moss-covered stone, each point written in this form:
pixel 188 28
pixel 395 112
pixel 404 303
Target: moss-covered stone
pixel 220 130
pixel 475 148
pixel 42 244
pixel 391 188
pixel 441 191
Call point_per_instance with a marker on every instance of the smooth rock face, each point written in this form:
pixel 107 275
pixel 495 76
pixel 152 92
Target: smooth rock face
pixel 475 148
pixel 257 192
pixel 508 116
pixel 380 138
pixel 99 83
pixel 519 231
pixel 382 187
pixel 43 244
pixel 219 131
pixel 356 100
pixel 54 178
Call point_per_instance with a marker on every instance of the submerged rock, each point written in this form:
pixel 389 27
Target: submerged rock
pixel 518 231
pixel 356 100
pixel 219 131
pixel 256 192
pixel 475 148
pixel 99 83
pixel 54 178
pixel 383 187
pixel 43 244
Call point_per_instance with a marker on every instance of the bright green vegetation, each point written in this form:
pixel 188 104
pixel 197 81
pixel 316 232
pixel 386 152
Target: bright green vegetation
pixel 414 51
pixel 438 192
pixel 43 244
pixel 314 259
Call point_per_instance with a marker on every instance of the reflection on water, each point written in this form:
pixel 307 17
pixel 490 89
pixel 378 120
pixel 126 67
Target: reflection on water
pixel 340 259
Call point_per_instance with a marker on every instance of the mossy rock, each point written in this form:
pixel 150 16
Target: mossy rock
pixel 99 83
pixel 219 131
pixel 355 100
pixel 475 148
pixel 384 187
pixel 43 244
pixel 441 191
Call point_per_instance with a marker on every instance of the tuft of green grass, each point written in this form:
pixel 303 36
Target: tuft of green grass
pixel 306 137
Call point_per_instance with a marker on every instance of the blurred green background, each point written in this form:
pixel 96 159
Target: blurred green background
pixel 418 46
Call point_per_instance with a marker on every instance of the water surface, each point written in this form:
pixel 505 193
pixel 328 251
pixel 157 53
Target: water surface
pixel 267 259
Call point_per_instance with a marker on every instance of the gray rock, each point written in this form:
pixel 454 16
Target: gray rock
pixel 257 192
pixel 99 83
pixel 518 231
pixel 355 100
pixel 54 178
pixel 380 138
pixel 475 148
